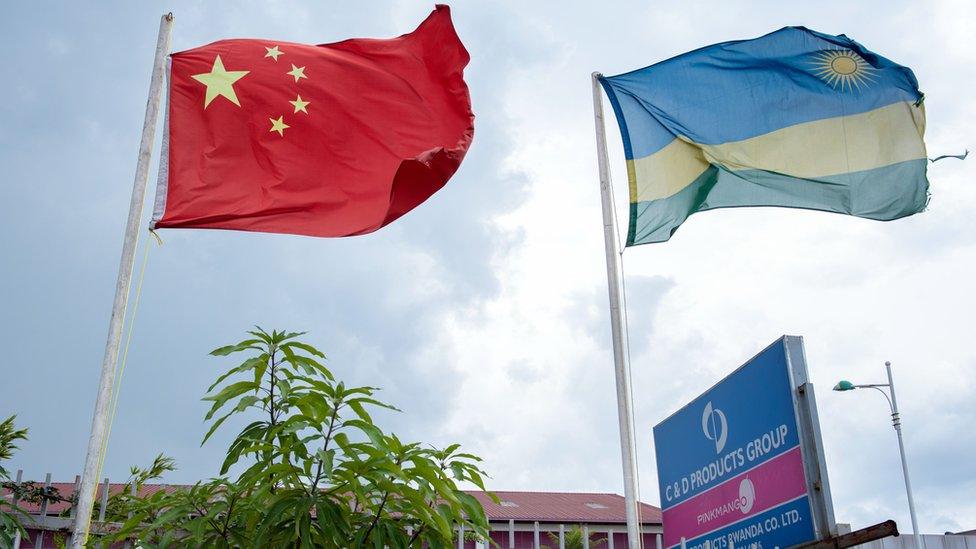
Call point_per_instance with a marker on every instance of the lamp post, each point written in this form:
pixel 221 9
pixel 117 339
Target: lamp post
pixel 844 385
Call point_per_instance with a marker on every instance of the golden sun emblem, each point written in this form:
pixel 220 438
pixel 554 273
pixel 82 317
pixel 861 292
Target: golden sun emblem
pixel 843 69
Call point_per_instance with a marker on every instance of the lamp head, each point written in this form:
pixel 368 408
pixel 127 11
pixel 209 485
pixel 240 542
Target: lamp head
pixel 844 385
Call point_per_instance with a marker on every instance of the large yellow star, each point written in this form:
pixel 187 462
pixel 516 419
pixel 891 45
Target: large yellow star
pixel 220 81
pixel 273 53
pixel 279 125
pixel 300 105
pixel 297 72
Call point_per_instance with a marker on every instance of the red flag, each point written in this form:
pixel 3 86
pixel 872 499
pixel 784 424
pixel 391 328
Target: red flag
pixel 332 140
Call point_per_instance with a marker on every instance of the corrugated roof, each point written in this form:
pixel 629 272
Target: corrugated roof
pixel 562 507
pixel 66 489
pixel 568 507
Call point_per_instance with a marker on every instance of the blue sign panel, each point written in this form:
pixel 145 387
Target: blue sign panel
pixel 730 464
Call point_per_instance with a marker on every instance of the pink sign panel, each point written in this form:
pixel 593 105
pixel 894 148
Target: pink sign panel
pixel 769 484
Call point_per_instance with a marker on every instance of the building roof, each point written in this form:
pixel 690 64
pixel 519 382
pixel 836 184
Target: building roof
pixel 563 507
pixel 66 489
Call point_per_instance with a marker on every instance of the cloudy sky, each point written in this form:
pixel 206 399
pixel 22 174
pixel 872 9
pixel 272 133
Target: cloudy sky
pixel 483 313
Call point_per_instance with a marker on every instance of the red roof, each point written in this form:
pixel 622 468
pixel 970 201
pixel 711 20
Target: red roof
pixel 562 507
pixel 567 507
pixel 66 489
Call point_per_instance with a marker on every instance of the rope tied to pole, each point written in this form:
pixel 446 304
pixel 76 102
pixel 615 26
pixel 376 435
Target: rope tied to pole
pixel 116 388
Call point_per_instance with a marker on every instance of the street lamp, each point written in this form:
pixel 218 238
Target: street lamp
pixel 845 385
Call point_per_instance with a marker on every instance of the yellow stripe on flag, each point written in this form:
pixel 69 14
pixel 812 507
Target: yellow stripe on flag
pixel 821 148
pixel 665 172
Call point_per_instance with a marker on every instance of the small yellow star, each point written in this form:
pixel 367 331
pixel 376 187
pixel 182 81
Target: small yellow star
pixel 297 72
pixel 219 81
pixel 300 105
pixel 278 125
pixel 273 53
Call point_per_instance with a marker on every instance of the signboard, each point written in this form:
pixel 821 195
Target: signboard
pixel 742 465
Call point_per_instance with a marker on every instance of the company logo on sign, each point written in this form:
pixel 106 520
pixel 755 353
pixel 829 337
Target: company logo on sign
pixel 747 496
pixel 744 502
pixel 715 426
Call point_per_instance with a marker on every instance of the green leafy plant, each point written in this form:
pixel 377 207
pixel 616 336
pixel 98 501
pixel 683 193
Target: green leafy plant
pixel 120 502
pixel 11 516
pixel 316 470
pixel 573 539
pixel 32 492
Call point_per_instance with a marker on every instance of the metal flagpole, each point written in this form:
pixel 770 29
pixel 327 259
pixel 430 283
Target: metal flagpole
pixel 617 325
pixel 86 492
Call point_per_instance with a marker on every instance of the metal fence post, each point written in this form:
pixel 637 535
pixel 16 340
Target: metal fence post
pixel 20 476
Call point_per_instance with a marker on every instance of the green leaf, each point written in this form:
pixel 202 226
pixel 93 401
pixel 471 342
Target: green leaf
pixel 327 458
pixel 245 402
pixel 458 471
pixel 284 387
pixel 370 430
pixel 262 335
pixel 246 344
pixel 305 347
pixel 231 391
pixel 323 387
pixel 475 477
pixel 374 402
pixel 360 411
pixel 472 506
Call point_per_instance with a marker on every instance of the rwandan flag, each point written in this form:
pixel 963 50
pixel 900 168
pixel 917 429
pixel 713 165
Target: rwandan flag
pixel 795 118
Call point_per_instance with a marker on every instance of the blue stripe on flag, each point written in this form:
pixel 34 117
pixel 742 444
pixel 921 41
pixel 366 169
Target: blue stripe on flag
pixel 737 90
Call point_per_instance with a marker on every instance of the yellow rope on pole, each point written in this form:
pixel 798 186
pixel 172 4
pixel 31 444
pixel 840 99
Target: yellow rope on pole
pixel 121 370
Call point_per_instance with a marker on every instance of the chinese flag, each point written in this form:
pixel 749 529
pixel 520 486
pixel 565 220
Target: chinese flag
pixel 332 140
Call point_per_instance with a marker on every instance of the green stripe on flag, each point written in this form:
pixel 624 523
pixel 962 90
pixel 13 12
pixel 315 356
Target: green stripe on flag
pixel 883 194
